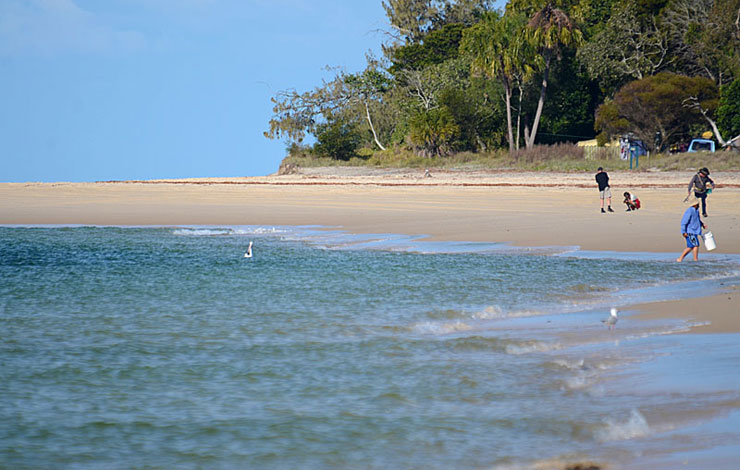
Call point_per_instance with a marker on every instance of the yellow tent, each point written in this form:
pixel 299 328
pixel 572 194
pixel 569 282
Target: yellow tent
pixel 592 143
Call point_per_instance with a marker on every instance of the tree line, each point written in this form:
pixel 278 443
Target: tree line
pixel 462 76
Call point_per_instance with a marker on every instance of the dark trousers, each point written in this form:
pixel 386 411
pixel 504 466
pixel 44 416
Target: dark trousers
pixel 703 197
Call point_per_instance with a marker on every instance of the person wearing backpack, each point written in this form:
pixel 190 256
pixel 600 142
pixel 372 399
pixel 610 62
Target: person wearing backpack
pixel 698 184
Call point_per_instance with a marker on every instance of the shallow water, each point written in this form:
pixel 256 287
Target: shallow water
pixel 166 348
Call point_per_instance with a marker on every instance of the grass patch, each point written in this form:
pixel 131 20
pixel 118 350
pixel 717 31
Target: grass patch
pixel 556 158
pixel 715 161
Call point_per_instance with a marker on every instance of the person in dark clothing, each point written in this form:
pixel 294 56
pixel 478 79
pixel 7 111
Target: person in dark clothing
pixel 604 191
pixel 698 184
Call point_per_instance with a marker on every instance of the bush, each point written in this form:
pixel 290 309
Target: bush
pixel 543 153
pixel 432 132
pixel 653 108
pixel 298 150
pixel 728 113
pixel 337 139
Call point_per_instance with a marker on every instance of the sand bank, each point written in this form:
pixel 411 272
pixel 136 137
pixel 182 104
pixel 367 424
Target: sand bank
pixel 521 208
pixel 528 209
pixel 718 313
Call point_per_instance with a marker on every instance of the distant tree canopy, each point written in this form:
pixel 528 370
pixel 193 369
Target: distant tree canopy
pixel 655 109
pixel 458 75
pixel 437 47
pixel 728 113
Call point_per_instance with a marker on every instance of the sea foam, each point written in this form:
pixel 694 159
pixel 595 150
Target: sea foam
pixel 614 430
pixel 440 328
pixel 201 232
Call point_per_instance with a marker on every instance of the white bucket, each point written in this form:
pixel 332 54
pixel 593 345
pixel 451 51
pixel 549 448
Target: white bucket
pixel 709 243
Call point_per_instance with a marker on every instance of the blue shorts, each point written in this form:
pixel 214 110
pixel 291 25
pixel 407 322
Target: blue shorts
pixel 692 241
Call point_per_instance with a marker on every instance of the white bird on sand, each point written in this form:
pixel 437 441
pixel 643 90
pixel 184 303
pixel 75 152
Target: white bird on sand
pixel 248 254
pixel 611 320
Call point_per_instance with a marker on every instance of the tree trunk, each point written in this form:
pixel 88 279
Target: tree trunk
pixel 717 134
pixel 509 127
pixel 693 102
pixel 519 115
pixel 529 140
pixel 372 128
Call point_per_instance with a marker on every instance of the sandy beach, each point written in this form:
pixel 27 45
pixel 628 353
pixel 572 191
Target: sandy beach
pixel 521 208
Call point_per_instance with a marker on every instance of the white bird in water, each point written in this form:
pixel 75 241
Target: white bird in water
pixel 612 319
pixel 248 254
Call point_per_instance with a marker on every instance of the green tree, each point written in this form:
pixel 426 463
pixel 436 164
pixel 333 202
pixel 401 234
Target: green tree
pixel 296 114
pixel 629 47
pixel 477 119
pixel 647 10
pixel 549 30
pixel 654 108
pixel 568 114
pixel 367 87
pixel 705 37
pixel 432 132
pixel 437 47
pixel 337 139
pixel 728 113
pixel 411 19
pixel 466 12
pixel 498 49
pixel 703 97
pixel 423 86
pixel 592 15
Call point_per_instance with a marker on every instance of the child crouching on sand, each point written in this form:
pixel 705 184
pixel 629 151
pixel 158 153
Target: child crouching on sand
pixel 631 201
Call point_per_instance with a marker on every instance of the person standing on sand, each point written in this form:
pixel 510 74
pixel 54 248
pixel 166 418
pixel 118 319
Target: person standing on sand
pixel 691 226
pixel 604 191
pixel 699 185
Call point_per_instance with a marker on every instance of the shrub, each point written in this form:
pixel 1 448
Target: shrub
pixel 728 113
pixel 654 110
pixel 432 132
pixel 337 139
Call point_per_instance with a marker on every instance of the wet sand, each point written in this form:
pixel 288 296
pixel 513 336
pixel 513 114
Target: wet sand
pixel 718 313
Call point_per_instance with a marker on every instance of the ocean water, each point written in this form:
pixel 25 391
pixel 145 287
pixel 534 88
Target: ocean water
pixel 161 348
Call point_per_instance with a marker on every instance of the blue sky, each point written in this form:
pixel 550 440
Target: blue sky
pixel 96 90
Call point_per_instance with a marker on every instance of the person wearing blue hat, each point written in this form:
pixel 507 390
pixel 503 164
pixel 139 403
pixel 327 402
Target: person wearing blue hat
pixel 691 226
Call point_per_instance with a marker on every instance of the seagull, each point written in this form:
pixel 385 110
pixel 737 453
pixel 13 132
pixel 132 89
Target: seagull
pixel 248 254
pixel 612 319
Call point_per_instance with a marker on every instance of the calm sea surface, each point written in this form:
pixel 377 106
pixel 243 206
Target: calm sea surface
pixel 166 348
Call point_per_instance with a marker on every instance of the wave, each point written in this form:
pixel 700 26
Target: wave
pixel 477 343
pixel 495 312
pixel 201 232
pixel 221 231
pixel 260 231
pixel 577 364
pixel 613 430
pixel 532 346
pixel 440 328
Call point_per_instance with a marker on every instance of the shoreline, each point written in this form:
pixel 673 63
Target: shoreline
pixel 715 313
pixel 524 209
